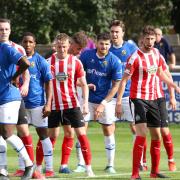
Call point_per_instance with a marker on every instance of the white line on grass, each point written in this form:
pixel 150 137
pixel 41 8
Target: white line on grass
pixel 110 175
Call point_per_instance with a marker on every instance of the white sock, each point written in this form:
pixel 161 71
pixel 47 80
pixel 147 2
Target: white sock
pixel 79 154
pixel 171 160
pixel 39 168
pixel 64 166
pixel 3 151
pixel 48 153
pixel 88 168
pixel 21 163
pixel 110 149
pixel 18 145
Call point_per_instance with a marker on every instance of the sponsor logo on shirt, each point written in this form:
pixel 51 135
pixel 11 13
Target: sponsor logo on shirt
pixel 123 52
pixel 152 69
pixel 105 63
pixel 62 76
pixel 92 60
pixel 32 64
pixel 94 71
pixel 33 76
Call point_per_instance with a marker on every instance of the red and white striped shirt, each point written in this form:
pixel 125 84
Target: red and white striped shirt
pixel 65 74
pixel 143 70
pixel 159 90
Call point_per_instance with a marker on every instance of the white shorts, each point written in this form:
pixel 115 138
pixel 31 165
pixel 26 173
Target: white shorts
pixel 35 117
pixel 108 116
pixel 9 112
pixel 127 110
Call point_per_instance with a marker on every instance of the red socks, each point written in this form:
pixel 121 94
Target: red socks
pixel 66 149
pixel 27 141
pixel 137 153
pixel 155 156
pixel 168 144
pixel 85 148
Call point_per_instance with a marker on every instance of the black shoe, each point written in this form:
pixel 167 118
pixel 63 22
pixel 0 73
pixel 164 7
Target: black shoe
pixel 28 173
pixel 2 177
pixel 158 175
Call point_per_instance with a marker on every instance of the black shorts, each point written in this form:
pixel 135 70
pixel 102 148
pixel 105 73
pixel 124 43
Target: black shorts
pixel 22 117
pixel 146 111
pixel 163 112
pixel 71 117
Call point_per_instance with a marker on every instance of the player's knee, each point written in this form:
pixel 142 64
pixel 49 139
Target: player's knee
pixel 23 130
pixel 3 145
pixel 69 133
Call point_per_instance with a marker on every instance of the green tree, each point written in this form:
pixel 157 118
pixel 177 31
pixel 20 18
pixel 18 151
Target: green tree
pixel 45 18
pixel 175 14
pixel 138 13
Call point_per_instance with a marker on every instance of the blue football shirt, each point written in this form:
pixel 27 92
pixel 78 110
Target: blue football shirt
pixel 9 57
pixel 40 73
pixel 100 72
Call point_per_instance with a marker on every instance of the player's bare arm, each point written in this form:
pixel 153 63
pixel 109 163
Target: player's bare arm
pixel 122 85
pixel 172 59
pixel 100 108
pixel 85 93
pixel 25 86
pixel 47 106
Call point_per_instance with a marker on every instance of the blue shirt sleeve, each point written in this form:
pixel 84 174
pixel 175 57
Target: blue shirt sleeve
pixel 117 69
pixel 45 70
pixel 12 54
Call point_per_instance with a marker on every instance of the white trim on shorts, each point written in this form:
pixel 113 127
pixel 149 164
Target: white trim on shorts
pixel 35 117
pixel 9 112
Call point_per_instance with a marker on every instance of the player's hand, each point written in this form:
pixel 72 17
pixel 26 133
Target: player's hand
pixel 172 103
pixel 99 111
pixel 24 90
pixel 46 110
pixel 118 110
pixel 92 87
pixel 85 109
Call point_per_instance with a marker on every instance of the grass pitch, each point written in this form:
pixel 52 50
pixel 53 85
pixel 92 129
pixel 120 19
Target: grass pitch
pixel 123 158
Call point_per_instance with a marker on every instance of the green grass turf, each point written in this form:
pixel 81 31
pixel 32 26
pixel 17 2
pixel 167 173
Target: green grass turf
pixel 123 156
